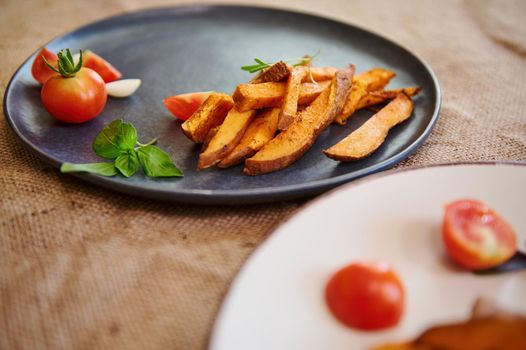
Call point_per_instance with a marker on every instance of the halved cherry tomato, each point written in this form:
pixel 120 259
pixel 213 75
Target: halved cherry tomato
pixel 93 61
pixel 184 105
pixel 40 71
pixel 475 236
pixel 366 295
pixel 75 95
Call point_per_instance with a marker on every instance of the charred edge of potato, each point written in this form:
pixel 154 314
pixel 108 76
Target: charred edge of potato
pixel 381 96
pixel 226 138
pixel 376 78
pixel 368 137
pixel 270 95
pixel 260 131
pixel 290 100
pixel 291 144
pixel 211 113
pixel 277 72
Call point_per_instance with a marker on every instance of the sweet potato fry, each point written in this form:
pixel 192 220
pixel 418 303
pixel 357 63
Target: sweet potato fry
pixel 319 74
pixel 494 332
pixel 399 346
pixel 277 72
pixel 367 138
pixel 494 328
pixel 211 113
pixel 290 99
pixel 358 91
pixel 376 78
pixel 211 133
pixel 375 97
pixel 269 95
pixel 309 91
pixel 226 137
pixel 292 143
pixel 260 131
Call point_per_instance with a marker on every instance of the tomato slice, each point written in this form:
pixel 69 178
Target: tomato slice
pixel 40 71
pixel 184 105
pixel 366 295
pixel 93 61
pixel 475 236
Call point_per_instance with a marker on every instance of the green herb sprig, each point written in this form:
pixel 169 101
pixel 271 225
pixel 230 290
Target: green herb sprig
pixel 260 65
pixel 118 141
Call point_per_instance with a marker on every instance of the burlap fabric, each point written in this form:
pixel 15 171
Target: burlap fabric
pixel 85 268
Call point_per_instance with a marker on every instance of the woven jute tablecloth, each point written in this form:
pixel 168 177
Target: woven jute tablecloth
pixel 85 268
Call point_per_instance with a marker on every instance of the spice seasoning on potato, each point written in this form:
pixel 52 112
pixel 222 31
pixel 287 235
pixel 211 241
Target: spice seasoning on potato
pixel 211 113
pixel 292 143
pixel 367 138
pixel 260 131
pixel 226 137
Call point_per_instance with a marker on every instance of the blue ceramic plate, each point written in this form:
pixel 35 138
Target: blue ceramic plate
pixel 199 48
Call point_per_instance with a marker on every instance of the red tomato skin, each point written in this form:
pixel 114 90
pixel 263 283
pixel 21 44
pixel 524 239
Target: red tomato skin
pixel 76 99
pixel 93 61
pixel 461 243
pixel 366 295
pixel 184 105
pixel 40 71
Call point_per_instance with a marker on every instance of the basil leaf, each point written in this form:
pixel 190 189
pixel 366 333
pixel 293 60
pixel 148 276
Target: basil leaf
pixel 127 163
pixel 127 137
pixel 115 138
pixel 104 169
pixel 157 163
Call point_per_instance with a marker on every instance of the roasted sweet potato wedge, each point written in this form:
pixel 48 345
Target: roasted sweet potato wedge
pixel 503 333
pixel 319 74
pixel 260 131
pixel 358 91
pixel 211 133
pixel 487 333
pixel 309 91
pixel 372 98
pixel 400 346
pixel 226 137
pixel 277 72
pixel 270 95
pixel 368 137
pixel 489 328
pixel 289 105
pixel 292 143
pixel 211 113
pixel 376 78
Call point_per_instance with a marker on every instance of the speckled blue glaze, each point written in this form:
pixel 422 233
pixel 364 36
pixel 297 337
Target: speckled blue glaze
pixel 196 48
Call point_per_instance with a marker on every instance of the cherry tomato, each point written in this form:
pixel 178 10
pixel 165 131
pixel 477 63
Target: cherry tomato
pixel 76 99
pixel 475 236
pixel 366 295
pixel 40 71
pixel 108 72
pixel 183 106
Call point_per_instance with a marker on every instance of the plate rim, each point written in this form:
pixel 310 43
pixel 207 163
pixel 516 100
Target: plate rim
pixel 257 251
pixel 234 196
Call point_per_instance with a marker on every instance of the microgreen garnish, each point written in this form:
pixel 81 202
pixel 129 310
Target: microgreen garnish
pixel 118 141
pixel 65 63
pixel 260 64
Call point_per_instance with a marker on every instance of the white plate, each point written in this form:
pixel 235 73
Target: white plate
pixel 276 301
